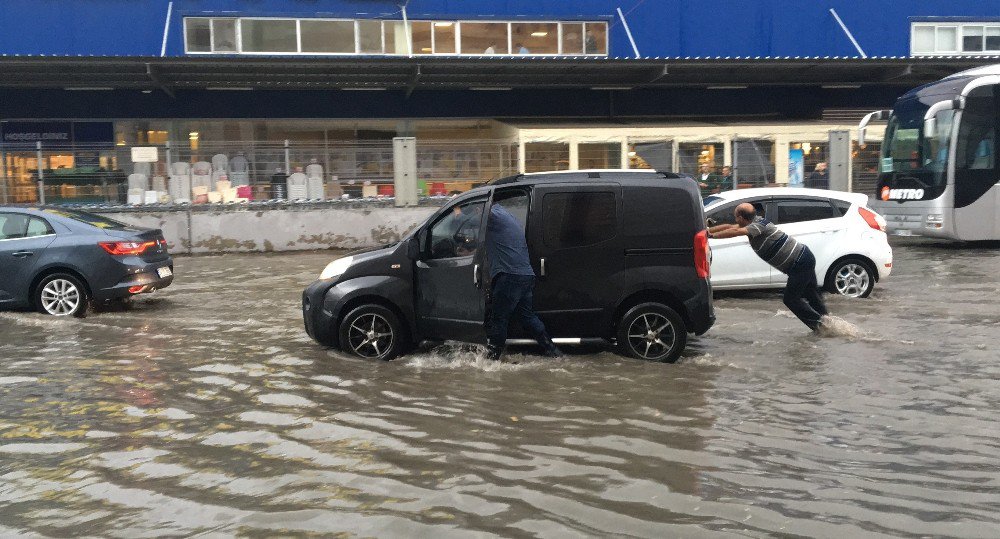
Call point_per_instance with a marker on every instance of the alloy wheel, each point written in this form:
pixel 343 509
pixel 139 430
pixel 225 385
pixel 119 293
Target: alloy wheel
pixel 852 280
pixel 651 336
pixel 371 336
pixel 60 297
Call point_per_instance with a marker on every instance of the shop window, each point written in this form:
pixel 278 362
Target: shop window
pixel 421 32
pixel 269 35
pixel 484 38
pixel 327 36
pixel 546 156
pixel 993 38
pixel 223 35
pixel 653 154
pixel 947 39
pixel 444 37
pixel 596 41
pixel 395 37
pixel 691 156
pixel 535 38
pixel 198 34
pixel 370 37
pixel 923 39
pixel 599 155
pixel 578 219
pixel 572 38
pixel 972 39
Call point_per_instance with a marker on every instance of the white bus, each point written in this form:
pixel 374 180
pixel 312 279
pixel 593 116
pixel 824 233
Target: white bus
pixel 939 170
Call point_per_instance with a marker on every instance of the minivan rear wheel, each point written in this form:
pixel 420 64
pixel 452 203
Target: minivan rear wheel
pixel 61 294
pixel 653 332
pixel 372 332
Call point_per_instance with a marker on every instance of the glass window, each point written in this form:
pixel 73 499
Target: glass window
pixel 546 156
pixel 395 37
pixel 484 38
pixel 444 37
pixel 727 214
pixel 657 155
pixel 13 226
pixel 223 35
pixel 972 39
pixel 370 37
pixel 797 211
pixel 841 207
pixel 516 202
pixel 923 39
pixel 420 31
pixel 89 218
pixel 977 138
pixel 599 155
pixel 198 34
pixel 597 38
pixel 578 219
pixel 572 38
pixel 947 39
pixel 456 234
pixel 39 227
pixel 535 38
pixel 273 35
pixel 993 38
pixel 327 36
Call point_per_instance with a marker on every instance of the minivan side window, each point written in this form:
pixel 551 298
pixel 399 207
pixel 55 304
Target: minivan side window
pixel 578 219
pixel 456 234
pixel 13 226
pixel 797 211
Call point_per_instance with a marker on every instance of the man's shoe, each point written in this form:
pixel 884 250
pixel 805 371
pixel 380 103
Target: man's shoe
pixel 551 350
pixel 493 353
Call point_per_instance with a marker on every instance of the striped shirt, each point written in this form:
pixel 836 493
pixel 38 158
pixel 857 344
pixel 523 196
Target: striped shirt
pixel 774 246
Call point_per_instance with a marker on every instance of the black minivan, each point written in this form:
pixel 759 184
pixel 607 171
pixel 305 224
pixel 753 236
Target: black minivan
pixel 620 255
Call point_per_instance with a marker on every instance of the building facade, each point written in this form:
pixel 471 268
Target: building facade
pixel 487 88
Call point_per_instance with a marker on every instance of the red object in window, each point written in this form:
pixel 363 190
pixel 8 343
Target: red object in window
pixel 386 190
pixel 701 264
pixel 438 188
pixel 126 248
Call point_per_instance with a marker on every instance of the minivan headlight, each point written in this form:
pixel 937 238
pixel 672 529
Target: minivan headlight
pixel 336 268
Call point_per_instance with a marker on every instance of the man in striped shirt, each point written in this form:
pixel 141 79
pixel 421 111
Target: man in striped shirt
pixel 786 255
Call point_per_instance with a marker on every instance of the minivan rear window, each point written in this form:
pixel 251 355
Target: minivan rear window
pixel 579 219
pixel 88 218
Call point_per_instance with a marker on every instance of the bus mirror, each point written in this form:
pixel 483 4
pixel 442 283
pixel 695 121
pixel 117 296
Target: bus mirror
pixel 930 127
pixel 861 136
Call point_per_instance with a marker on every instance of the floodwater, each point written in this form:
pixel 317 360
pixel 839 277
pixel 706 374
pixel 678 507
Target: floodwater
pixel 205 409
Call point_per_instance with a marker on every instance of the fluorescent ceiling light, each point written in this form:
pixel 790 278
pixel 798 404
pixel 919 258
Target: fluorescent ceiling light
pixel 368 88
pixel 88 88
pixel 443 24
pixel 489 88
pixel 841 86
pixel 230 88
pixel 425 49
pixel 728 87
pixel 610 87
pixel 539 34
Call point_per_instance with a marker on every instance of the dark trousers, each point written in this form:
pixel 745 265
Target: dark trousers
pixel 512 298
pixel 802 295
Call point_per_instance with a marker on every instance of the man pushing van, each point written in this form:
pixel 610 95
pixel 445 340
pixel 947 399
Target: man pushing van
pixel 786 255
pixel 512 281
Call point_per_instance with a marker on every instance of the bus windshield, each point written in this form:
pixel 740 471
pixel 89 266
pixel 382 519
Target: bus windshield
pixel 910 157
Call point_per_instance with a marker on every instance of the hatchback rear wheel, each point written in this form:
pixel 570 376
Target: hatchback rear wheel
pixel 653 332
pixel 851 277
pixel 372 332
pixel 61 294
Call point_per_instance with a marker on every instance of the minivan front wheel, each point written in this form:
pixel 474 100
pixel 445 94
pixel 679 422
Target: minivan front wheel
pixel 61 294
pixel 653 332
pixel 372 332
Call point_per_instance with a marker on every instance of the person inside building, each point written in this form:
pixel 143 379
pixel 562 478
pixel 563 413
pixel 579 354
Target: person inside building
pixel 492 49
pixel 785 254
pixel 726 179
pixel 708 180
pixel 512 282
pixel 819 178
pixel 521 49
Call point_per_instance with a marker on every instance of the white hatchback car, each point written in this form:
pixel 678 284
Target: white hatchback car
pixel 848 239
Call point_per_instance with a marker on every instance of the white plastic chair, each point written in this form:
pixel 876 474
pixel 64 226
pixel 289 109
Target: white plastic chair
pixel 297 187
pixel 179 188
pixel 142 168
pixel 315 188
pixel 138 181
pixel 180 168
pixel 239 170
pixel 201 175
pixel 220 162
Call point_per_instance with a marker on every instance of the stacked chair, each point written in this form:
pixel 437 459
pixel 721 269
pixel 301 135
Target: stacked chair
pixel 315 189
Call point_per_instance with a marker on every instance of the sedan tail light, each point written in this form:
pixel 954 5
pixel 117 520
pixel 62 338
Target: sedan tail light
pixel 873 219
pixel 126 248
pixel 701 263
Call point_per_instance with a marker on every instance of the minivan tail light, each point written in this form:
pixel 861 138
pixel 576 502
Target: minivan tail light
pixel 701 264
pixel 873 219
pixel 126 248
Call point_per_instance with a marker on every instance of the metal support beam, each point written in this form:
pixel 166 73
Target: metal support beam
pixel 659 74
pixel 154 76
pixel 414 80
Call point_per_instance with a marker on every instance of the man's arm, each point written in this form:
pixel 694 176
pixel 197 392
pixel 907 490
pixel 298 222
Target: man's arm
pixel 719 228
pixel 730 232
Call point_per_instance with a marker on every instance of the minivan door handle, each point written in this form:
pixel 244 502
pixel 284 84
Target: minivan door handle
pixel 22 254
pixel 542 264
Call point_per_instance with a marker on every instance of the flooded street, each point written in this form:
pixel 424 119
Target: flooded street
pixel 205 409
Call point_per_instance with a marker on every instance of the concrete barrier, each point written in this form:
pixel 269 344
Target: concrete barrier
pixel 197 230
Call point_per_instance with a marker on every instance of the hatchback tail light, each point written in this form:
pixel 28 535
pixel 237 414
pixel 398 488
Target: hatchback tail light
pixel 126 248
pixel 701 264
pixel 873 219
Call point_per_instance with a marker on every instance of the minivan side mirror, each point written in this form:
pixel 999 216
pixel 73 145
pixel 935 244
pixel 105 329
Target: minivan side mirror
pixel 413 246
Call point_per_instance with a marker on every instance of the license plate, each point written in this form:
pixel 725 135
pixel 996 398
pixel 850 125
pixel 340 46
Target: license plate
pixel 164 272
pixel 904 232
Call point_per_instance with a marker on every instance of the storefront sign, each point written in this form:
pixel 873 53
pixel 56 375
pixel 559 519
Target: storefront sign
pixel 144 154
pixel 796 168
pixel 87 159
pixel 32 132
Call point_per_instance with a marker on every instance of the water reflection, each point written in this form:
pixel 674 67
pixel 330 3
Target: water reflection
pixel 206 409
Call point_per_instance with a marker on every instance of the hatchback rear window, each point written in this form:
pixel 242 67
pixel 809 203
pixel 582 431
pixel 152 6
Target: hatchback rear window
pixel 89 218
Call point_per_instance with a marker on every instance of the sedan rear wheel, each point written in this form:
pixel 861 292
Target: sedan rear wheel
pixel 61 295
